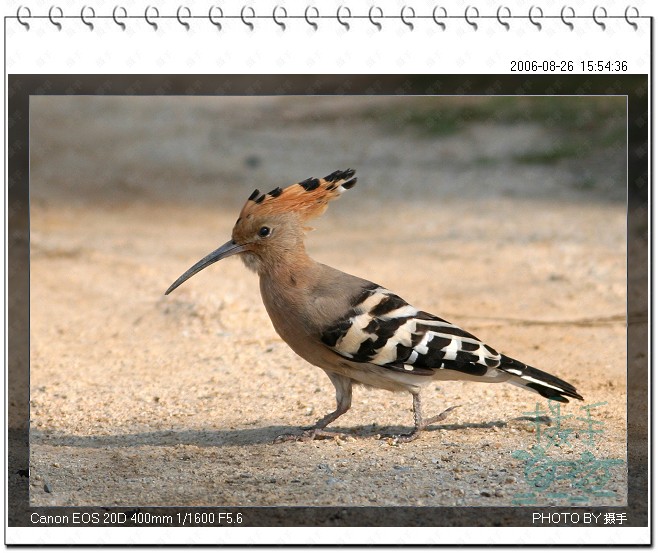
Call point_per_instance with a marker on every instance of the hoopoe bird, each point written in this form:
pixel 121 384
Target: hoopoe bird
pixel 356 331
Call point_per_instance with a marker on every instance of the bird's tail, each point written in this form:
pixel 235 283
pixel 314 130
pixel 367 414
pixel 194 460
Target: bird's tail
pixel 544 384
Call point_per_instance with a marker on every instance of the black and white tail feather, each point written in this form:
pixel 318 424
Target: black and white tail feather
pixel 384 330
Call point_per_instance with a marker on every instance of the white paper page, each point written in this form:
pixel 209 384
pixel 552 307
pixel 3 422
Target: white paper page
pixel 502 156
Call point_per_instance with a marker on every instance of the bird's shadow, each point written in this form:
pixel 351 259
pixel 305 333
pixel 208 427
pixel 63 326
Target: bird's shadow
pixel 242 437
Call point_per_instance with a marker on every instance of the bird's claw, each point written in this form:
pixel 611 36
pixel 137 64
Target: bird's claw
pixel 440 417
pixel 394 439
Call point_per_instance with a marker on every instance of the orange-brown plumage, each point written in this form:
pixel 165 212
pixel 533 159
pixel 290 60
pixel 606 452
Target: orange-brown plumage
pixel 308 198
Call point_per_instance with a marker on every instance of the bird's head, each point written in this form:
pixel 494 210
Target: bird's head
pixel 272 225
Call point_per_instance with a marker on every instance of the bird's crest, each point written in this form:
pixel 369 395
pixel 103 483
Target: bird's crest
pixel 308 198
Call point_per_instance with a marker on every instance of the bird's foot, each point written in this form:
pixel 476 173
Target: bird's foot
pixel 440 417
pixel 394 439
pixel 310 434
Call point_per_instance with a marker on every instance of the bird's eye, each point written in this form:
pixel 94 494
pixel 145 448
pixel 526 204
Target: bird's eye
pixel 264 231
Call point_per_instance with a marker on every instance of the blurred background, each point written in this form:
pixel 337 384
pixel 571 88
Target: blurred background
pixel 117 151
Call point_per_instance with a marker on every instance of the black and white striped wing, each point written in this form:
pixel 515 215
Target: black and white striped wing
pixel 385 330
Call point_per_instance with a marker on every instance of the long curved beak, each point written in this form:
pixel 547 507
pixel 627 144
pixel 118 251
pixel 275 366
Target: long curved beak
pixel 227 250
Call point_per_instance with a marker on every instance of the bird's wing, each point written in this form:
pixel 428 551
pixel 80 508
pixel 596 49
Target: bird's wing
pixel 383 329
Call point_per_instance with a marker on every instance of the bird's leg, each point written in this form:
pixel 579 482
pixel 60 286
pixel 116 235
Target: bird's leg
pixel 343 387
pixel 419 423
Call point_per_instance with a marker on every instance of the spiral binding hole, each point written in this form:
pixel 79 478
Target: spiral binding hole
pixel 344 16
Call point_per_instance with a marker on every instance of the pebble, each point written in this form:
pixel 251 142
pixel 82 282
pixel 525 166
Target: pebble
pixel 47 487
pixel 510 480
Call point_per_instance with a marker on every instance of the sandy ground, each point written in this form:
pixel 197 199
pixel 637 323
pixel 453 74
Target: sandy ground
pixel 141 399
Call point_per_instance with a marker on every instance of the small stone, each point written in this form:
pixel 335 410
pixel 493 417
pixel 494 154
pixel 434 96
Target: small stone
pixel 510 480
pixel 47 487
pixel 485 493
pixel 56 465
pixel 498 493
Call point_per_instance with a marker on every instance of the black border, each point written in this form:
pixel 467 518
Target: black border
pixel 21 87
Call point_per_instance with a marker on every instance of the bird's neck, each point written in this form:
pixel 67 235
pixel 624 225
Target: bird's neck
pixel 284 287
pixel 288 267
